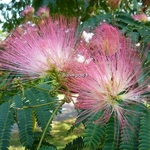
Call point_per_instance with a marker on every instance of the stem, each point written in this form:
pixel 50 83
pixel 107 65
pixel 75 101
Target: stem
pixel 48 123
pixel 35 106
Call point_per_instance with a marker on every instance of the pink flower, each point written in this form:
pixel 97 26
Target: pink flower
pixel 113 4
pixel 35 50
pixel 112 85
pixel 140 17
pixel 106 39
pixel 27 11
pixel 43 11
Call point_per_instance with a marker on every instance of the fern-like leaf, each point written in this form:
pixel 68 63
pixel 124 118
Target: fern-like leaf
pixel 95 21
pixel 40 96
pixel 133 35
pixel 126 19
pixel 45 142
pixel 48 148
pixel 130 133
pixel 93 135
pixel 25 122
pixel 76 144
pixel 144 135
pixel 112 135
pixel 144 33
pixel 6 122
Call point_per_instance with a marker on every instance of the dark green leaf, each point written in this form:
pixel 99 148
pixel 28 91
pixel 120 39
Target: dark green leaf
pixel 6 122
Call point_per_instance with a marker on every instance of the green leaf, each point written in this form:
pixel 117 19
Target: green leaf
pixel 93 135
pixel 36 3
pixel 96 20
pixel 25 121
pixel 6 122
pixel 39 96
pixel 45 142
pixel 130 132
pixel 126 18
pixel 112 135
pixel 42 113
pixel 76 144
pixel 47 148
pixel 144 135
pixel 65 7
pixel 133 35
pixel 135 5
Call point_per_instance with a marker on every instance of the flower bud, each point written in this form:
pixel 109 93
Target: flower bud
pixel 113 4
pixel 43 12
pixel 27 11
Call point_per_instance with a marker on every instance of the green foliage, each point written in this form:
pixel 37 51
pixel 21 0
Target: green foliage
pixel 27 106
pixel 45 142
pixel 78 8
pixel 76 144
pixel 35 104
pixel 96 20
pixel 130 132
pixel 94 134
pixel 25 121
pixel 47 148
pixel 126 19
pixel 112 135
pixel 131 27
pixel 11 13
pixel 144 135
pixel 37 98
pixel 6 122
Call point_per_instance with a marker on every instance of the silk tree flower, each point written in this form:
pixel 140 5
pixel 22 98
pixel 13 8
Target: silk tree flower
pixel 112 85
pixel 105 38
pixel 35 50
pixel 140 17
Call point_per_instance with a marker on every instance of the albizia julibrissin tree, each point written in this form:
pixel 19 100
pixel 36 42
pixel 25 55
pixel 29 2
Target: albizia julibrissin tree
pixel 108 74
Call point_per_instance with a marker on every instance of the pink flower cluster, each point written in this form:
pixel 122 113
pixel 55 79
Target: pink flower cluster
pixel 113 81
pixel 140 17
pixel 106 39
pixel 111 66
pixel 34 50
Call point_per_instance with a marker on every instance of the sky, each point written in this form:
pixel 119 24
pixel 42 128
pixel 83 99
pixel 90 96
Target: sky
pixel 3 1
